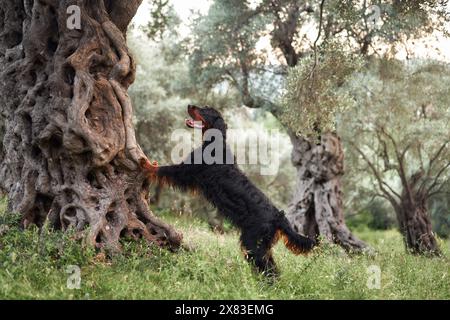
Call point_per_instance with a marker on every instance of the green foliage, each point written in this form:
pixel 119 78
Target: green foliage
pixel 162 19
pixel 159 92
pixel 214 269
pixel 382 218
pixel 225 46
pixel 223 41
pixel 440 214
pixel 411 103
pixel 313 94
pixel 350 20
pixel 358 221
pixel 232 47
pixel 376 216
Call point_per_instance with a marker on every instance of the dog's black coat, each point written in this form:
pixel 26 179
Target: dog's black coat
pixel 236 197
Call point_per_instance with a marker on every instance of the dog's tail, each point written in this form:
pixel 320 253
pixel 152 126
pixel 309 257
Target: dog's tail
pixel 295 242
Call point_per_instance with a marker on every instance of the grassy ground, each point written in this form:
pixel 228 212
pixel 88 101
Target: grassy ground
pixel 33 265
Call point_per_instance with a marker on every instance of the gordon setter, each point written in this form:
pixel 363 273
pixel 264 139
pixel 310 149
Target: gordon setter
pixel 232 193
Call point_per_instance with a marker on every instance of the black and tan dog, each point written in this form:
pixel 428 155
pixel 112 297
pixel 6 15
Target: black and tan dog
pixel 233 194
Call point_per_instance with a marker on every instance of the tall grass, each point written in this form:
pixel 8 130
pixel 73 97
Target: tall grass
pixel 33 265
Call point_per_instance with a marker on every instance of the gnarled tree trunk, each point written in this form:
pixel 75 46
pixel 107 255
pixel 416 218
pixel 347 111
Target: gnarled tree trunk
pixel 415 225
pixel 316 208
pixel 70 154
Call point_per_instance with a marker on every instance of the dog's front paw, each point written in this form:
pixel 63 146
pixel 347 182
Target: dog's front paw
pixel 149 168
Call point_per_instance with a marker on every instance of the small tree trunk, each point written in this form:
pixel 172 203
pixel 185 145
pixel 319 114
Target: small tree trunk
pixel 316 208
pixel 415 226
pixel 70 154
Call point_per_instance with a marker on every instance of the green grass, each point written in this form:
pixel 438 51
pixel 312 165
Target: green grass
pixel 33 266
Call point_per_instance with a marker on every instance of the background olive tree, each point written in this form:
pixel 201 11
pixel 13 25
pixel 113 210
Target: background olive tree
pixel 398 132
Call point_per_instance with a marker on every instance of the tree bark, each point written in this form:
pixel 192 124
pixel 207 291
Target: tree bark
pixel 70 154
pixel 415 225
pixel 317 208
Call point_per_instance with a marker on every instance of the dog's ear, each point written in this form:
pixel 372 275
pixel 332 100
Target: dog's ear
pixel 220 125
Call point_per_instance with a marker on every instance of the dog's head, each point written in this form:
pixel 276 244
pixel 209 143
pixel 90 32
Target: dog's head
pixel 205 118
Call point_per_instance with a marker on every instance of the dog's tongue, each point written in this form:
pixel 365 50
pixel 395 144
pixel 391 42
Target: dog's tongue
pixel 194 124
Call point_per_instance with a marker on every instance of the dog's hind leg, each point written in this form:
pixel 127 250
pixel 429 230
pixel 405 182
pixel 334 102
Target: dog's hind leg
pixel 270 266
pixel 258 253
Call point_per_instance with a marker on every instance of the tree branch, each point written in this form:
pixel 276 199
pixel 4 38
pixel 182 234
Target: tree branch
pixel 438 191
pixel 385 155
pixel 247 99
pixel 431 163
pixel 285 31
pixel 401 167
pixel 380 181
pixel 322 3
pixel 436 156
pixel 121 12
pixel 436 179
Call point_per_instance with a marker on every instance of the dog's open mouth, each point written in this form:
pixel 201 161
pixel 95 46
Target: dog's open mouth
pixel 194 123
pixel 196 120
